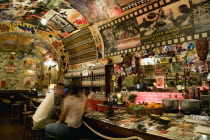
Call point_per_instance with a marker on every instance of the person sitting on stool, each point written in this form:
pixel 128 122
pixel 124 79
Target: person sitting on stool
pixel 46 109
pixel 70 119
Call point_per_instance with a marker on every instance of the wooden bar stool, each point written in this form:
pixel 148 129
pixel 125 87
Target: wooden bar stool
pixel 27 121
pixel 28 127
pixel 37 134
pixel 15 113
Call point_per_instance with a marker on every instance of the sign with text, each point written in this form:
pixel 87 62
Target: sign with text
pixel 10 69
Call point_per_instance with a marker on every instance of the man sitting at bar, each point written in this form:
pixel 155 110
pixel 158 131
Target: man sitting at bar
pixel 70 119
pixel 46 109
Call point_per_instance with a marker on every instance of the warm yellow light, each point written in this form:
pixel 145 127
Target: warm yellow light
pixel 52 86
pixel 30 71
pixel 50 62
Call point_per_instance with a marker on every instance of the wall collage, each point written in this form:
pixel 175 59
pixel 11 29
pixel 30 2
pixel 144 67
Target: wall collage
pixel 18 70
pixel 171 29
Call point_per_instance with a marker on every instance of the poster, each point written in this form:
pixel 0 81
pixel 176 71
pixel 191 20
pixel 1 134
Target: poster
pixel 92 10
pixel 201 15
pixel 166 23
pixel 173 21
pixel 159 81
pixel 120 36
pixel 28 81
pixel 29 63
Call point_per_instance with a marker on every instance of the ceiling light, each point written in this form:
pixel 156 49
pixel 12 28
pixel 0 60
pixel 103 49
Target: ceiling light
pixel 44 21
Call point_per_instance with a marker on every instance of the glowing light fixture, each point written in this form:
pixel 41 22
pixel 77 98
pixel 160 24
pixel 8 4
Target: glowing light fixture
pixel 44 21
pixel 50 62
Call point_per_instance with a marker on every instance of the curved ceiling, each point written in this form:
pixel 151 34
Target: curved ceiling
pixel 63 17
pixel 24 42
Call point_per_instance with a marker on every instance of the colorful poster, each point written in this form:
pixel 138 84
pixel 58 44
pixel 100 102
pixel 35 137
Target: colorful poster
pixel 10 68
pixel 201 14
pixel 92 10
pixel 28 81
pixel 120 36
pixel 166 23
pixel 159 81
pixel 29 63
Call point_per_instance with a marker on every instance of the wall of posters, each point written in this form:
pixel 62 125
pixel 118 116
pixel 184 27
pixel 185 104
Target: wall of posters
pixel 92 10
pixel 172 21
pixel 17 71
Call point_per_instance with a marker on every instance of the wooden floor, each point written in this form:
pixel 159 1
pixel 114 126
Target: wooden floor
pixel 15 130
pixel 9 131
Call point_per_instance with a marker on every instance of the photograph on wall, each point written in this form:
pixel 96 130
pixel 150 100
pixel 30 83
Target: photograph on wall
pixel 28 81
pixel 7 14
pixel 6 4
pixel 201 15
pixel 59 21
pixel 67 12
pixel 120 36
pixel 160 82
pixel 92 10
pixel 166 23
pixel 29 63
pixel 69 28
pixel 112 7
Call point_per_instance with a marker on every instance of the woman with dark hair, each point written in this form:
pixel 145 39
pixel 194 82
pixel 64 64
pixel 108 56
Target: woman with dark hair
pixel 70 118
pixel 172 87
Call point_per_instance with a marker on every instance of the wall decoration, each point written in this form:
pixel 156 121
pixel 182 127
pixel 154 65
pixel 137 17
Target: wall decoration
pixel 128 4
pixel 161 23
pixel 81 47
pixel 121 36
pixel 66 11
pixel 11 71
pixel 29 63
pixel 92 10
pixel 28 81
pixel 166 23
pixel 160 82
pixel 29 72
pixel 7 14
pixel 10 68
pixel 59 21
pixel 112 8
pixel 201 15
pixel 5 4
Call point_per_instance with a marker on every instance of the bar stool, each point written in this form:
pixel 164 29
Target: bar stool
pixel 50 137
pixel 28 127
pixel 37 133
pixel 15 114
pixel 27 123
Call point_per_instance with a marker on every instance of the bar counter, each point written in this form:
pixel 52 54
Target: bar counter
pixel 122 125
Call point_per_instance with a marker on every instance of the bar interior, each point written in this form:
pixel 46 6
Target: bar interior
pixel 117 69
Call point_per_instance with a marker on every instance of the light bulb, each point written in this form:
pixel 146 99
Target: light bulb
pixel 44 21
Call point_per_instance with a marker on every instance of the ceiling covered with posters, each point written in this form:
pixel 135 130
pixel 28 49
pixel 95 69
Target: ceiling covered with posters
pixel 21 28
pixel 90 29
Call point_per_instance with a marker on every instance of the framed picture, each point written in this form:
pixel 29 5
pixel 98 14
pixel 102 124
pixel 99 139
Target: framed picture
pixel 59 21
pixel 159 81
